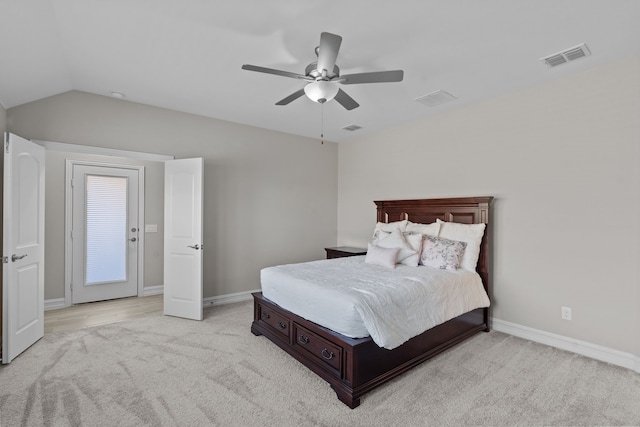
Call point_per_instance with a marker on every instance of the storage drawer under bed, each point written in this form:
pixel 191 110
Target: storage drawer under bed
pixel 318 349
pixel 274 320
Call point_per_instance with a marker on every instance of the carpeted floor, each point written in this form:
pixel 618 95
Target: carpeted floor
pixel 166 371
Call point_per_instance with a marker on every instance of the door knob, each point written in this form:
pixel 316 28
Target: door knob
pixel 133 239
pixel 15 257
pixel 196 247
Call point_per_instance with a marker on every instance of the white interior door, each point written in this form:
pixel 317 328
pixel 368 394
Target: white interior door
pixel 23 246
pixel 105 233
pixel 183 191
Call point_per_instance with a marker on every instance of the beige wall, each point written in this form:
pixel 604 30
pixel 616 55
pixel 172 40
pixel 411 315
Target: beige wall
pixel 270 197
pixel 563 161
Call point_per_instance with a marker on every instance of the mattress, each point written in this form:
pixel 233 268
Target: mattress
pixel 357 299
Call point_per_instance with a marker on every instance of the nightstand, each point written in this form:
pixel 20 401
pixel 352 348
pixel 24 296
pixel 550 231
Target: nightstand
pixel 344 251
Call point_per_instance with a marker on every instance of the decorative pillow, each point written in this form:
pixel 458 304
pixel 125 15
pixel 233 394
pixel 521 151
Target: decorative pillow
pixel 414 240
pixel 442 253
pixel 388 227
pixel 427 229
pixel 385 257
pixel 396 239
pixel 468 233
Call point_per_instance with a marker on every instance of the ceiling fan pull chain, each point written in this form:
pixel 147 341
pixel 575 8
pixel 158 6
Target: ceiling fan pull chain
pixel 322 123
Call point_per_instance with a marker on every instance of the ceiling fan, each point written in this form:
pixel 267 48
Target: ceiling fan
pixel 324 76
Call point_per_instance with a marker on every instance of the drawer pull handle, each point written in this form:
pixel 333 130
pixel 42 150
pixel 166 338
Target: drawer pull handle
pixel 327 354
pixel 282 325
pixel 266 316
pixel 303 340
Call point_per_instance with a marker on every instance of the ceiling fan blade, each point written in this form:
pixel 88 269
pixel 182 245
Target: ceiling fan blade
pixel 292 97
pixel 276 72
pixel 374 77
pixel 328 51
pixel 345 100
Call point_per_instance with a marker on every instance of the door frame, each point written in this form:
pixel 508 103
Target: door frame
pixel 68 193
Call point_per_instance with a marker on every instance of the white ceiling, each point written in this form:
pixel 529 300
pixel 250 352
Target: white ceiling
pixel 186 55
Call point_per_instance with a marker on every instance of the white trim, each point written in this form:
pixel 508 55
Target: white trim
pixel 68 225
pixel 54 304
pixel 594 351
pixel 228 298
pixel 140 227
pixel 152 290
pixel 87 149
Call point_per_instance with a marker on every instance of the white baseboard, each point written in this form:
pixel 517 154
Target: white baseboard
pixel 152 290
pixel 594 351
pixel 228 298
pixel 54 304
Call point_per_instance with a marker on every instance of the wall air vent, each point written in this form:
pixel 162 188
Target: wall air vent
pixel 436 98
pixel 352 128
pixel 572 54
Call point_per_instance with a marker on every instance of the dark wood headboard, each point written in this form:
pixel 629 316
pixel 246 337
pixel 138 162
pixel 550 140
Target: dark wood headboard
pixel 467 210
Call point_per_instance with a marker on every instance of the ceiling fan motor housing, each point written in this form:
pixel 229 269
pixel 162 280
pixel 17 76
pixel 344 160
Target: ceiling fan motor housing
pixel 312 71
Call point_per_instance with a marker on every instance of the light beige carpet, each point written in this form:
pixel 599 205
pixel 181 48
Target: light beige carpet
pixel 167 371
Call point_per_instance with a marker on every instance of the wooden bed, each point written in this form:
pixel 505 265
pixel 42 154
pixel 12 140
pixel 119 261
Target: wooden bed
pixel 355 366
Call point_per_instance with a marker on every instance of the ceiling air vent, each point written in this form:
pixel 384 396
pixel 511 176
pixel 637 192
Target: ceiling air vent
pixel 572 54
pixel 436 98
pixel 352 128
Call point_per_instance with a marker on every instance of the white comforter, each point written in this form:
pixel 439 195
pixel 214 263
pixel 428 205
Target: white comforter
pixel 357 299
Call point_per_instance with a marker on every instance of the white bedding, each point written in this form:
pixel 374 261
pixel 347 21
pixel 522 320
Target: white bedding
pixel 357 299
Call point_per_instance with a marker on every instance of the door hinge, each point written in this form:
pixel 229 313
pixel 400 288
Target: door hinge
pixel 6 146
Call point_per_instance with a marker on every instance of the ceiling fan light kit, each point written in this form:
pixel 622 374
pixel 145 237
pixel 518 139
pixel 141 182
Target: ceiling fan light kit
pixel 321 91
pixel 324 76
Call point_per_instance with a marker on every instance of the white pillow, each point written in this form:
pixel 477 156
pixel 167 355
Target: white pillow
pixel 385 257
pixel 442 253
pixel 427 229
pixel 469 233
pixel 395 239
pixel 388 227
pixel 414 240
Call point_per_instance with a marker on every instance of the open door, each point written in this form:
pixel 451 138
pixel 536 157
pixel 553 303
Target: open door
pixel 183 192
pixel 22 245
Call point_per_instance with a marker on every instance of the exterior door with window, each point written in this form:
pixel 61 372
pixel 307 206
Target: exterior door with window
pixel 105 233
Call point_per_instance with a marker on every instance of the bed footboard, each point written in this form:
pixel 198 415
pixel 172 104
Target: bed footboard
pixel 355 366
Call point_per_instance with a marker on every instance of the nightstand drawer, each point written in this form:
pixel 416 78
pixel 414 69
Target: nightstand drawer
pixel 344 251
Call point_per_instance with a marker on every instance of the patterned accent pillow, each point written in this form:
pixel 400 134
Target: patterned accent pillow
pixel 442 253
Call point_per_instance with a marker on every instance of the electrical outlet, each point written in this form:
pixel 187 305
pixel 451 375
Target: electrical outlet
pixel 565 313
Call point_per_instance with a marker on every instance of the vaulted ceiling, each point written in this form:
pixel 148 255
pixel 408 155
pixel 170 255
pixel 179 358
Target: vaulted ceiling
pixel 186 55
